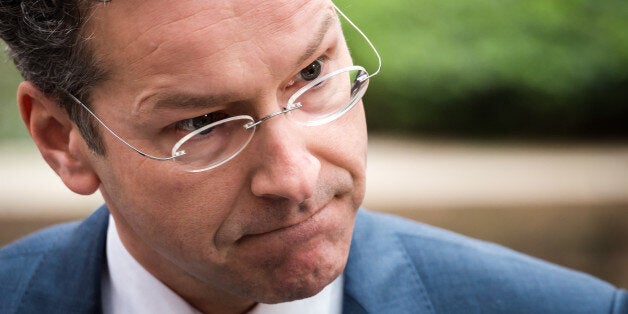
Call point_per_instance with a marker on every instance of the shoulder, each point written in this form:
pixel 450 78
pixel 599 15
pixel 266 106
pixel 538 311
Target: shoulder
pixel 36 269
pixel 37 243
pixel 18 257
pixel 19 260
pixel 458 273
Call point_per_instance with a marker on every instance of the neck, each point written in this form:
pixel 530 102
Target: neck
pixel 203 296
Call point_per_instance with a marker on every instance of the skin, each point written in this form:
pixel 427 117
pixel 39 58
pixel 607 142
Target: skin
pixel 272 225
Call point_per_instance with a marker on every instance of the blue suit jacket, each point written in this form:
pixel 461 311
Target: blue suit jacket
pixel 395 266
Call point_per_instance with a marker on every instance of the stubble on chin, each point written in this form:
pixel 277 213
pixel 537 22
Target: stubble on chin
pixel 308 274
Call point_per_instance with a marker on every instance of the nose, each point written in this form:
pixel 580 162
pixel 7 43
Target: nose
pixel 287 169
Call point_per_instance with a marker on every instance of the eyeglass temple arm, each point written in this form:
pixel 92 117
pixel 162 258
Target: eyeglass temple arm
pixel 379 58
pixel 177 154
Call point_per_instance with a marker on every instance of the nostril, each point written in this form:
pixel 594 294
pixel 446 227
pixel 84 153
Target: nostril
pixel 303 207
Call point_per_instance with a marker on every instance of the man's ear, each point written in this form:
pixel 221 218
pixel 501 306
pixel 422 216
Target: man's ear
pixel 58 139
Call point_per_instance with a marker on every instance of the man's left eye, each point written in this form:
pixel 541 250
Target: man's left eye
pixel 312 71
pixel 196 123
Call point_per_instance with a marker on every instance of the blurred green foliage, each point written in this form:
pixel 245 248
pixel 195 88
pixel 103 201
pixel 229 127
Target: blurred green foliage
pixel 479 68
pixel 487 68
pixel 10 122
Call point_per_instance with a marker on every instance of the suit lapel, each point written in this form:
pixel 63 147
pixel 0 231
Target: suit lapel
pixel 67 280
pixel 380 276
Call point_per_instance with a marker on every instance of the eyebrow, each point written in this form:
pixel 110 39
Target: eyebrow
pixel 191 101
pixel 312 47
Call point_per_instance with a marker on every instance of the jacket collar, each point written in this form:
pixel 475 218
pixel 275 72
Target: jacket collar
pixel 73 268
pixel 380 277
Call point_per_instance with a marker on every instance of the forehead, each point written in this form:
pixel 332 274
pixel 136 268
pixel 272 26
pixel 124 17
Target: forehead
pixel 150 37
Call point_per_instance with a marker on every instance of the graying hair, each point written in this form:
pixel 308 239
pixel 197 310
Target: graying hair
pixel 45 41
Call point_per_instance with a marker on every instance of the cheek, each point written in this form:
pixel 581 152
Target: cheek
pixel 166 208
pixel 342 146
pixel 349 145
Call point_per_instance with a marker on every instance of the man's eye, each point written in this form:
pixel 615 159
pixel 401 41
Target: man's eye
pixel 196 123
pixel 312 71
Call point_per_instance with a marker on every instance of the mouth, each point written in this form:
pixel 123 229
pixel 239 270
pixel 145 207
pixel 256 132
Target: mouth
pixel 299 231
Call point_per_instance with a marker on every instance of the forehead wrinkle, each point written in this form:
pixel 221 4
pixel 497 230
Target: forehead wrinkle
pixel 148 39
pixel 156 28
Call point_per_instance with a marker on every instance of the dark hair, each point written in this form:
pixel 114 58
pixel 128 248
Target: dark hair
pixel 46 41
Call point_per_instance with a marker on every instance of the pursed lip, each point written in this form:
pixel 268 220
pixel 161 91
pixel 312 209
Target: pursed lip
pixel 303 227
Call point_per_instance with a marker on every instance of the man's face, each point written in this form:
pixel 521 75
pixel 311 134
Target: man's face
pixel 274 223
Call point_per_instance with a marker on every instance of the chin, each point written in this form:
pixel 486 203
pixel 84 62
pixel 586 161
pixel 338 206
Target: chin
pixel 303 276
pixel 301 287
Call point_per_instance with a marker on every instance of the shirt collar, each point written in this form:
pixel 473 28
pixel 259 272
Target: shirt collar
pixel 129 288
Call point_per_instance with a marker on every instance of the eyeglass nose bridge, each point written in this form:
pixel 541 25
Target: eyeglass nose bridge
pixel 272 115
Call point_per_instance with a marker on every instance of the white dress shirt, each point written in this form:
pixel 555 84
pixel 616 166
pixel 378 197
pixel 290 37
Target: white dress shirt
pixel 129 288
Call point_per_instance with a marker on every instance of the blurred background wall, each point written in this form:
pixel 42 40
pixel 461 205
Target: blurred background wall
pixel 502 120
